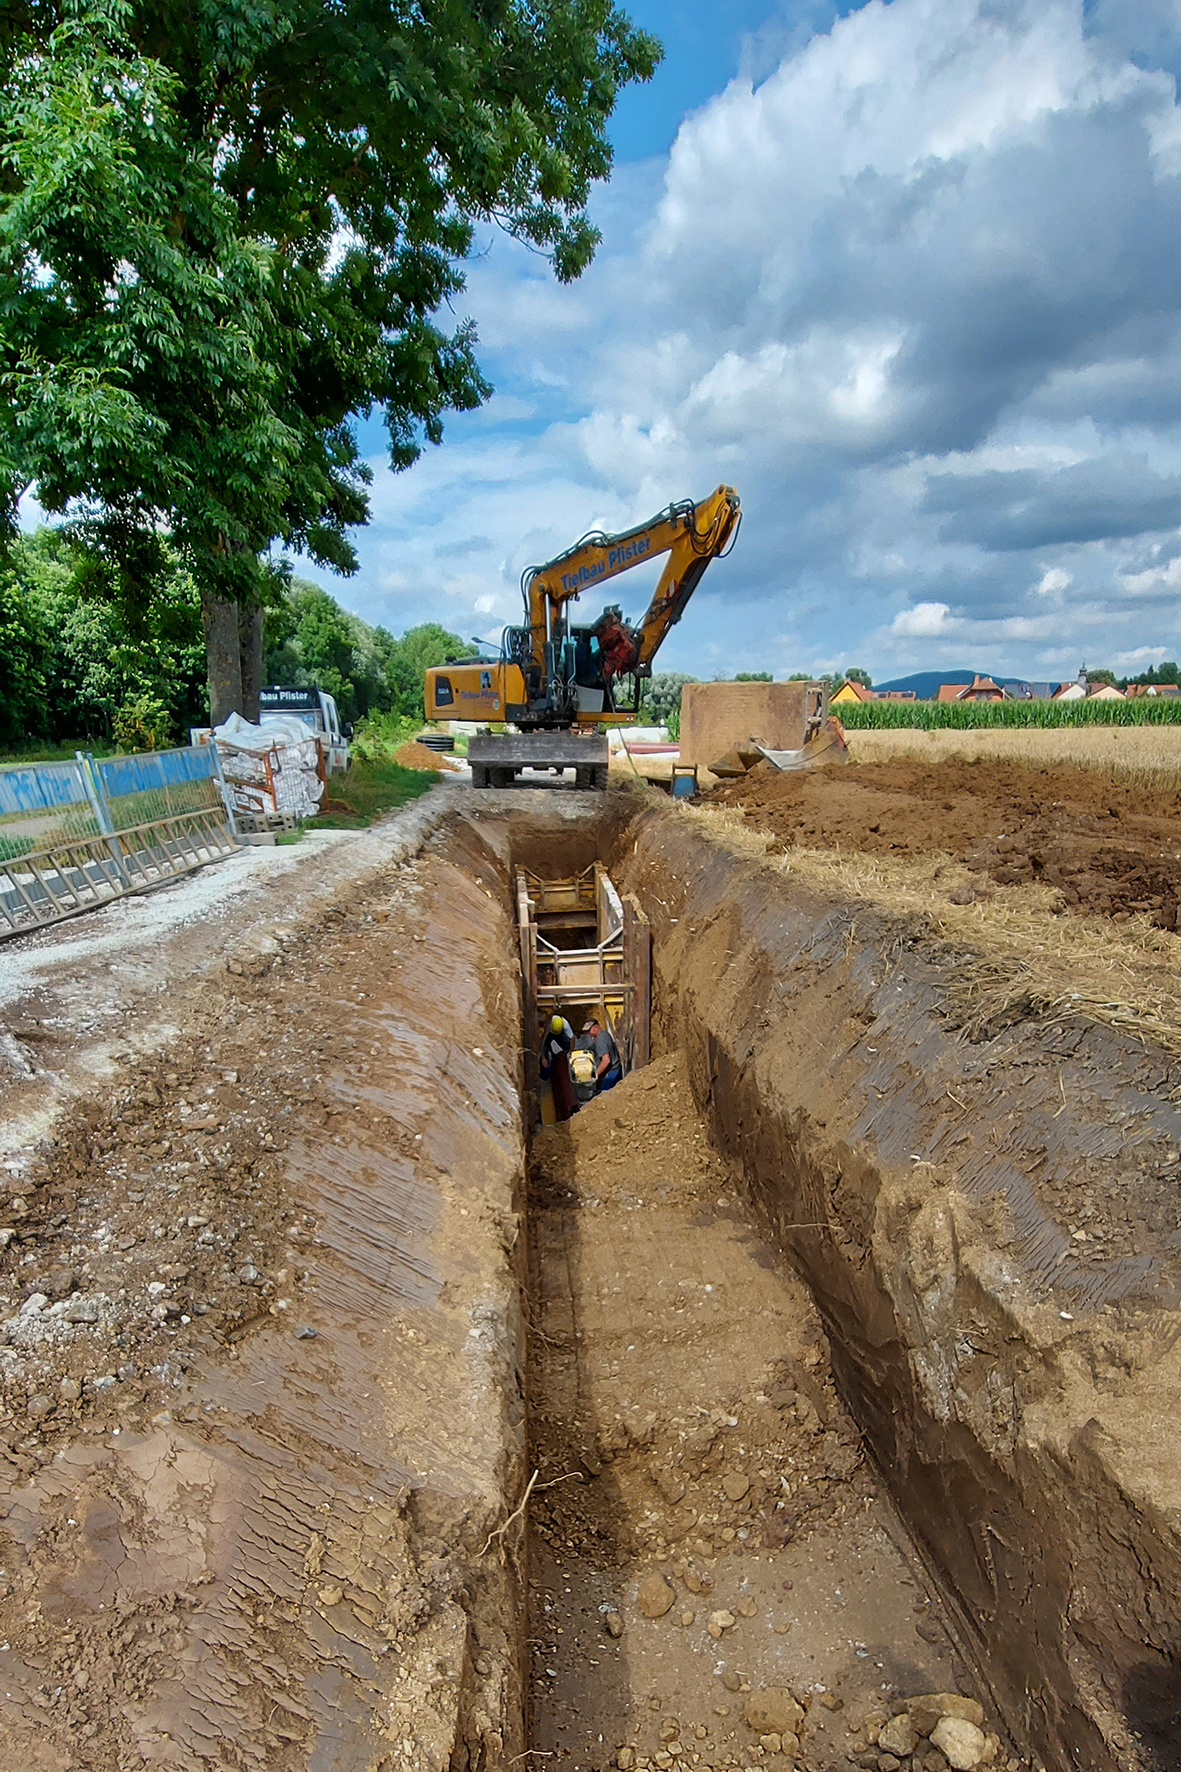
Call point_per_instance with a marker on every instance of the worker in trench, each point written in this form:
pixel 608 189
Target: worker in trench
pixel 555 1066
pixel 596 1040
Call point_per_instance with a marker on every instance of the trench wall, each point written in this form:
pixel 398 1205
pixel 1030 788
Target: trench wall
pixel 1020 1406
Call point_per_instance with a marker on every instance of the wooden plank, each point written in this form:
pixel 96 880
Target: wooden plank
pixel 640 978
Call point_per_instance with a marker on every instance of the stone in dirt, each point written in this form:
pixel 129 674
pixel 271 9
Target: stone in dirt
pixel 962 1744
pixel 773 1711
pixel 614 1624
pixel 735 1485
pixel 654 1596
pixel 746 1608
pixel 899 1735
pixel 926 1709
pixel 720 1621
pixel 697 1580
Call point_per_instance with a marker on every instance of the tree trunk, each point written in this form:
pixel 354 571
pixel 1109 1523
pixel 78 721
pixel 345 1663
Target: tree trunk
pixel 223 651
pixel 250 646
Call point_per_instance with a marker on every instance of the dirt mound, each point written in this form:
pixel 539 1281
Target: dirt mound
pixel 413 755
pixel 1095 839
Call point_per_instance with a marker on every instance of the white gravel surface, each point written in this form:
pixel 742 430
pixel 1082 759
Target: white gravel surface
pixel 78 998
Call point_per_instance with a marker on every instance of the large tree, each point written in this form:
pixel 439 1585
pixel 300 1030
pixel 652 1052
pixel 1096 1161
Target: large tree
pixel 228 229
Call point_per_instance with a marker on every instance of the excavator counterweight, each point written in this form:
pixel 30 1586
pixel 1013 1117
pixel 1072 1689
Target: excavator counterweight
pixel 559 683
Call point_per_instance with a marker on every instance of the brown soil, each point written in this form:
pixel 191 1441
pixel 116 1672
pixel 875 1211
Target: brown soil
pixel 413 755
pixel 243 1475
pixel 686 1423
pixel 1108 847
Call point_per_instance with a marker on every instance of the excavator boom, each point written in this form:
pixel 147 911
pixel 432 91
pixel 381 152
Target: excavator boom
pixel 692 535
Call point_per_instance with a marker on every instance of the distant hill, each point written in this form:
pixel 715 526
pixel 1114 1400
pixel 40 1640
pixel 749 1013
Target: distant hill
pixel 926 683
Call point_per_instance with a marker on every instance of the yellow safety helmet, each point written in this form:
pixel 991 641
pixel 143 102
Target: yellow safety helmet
pixel 556 1023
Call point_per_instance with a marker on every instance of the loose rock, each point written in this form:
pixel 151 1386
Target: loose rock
pixel 613 1624
pixel 773 1711
pixel 654 1596
pixel 899 1735
pixel 962 1744
pixel 926 1710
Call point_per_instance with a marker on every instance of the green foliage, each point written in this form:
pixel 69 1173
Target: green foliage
pixel 23 643
pixel 371 787
pixel 753 677
pixel 310 639
pixel 378 736
pixel 142 724
pixel 662 699
pixel 1161 673
pixel 228 231
pixel 856 675
pixel 407 659
pixel 73 653
pixel 934 716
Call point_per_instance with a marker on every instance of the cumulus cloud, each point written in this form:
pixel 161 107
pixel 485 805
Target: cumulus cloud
pixel 917 294
pixel 923 621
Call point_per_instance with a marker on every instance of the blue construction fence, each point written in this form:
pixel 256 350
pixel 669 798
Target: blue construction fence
pixel 46 803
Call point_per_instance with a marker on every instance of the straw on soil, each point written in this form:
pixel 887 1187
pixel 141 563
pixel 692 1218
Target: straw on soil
pixel 1012 956
pixel 1147 754
pixel 413 755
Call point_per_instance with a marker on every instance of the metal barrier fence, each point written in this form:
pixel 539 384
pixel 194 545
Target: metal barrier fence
pixel 76 834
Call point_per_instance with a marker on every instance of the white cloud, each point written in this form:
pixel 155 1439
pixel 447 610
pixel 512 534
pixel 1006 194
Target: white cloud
pixel 917 295
pixel 923 621
pixel 1139 659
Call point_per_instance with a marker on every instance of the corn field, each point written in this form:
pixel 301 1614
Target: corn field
pixel 958 716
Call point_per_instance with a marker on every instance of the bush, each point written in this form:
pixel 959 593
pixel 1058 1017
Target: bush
pixel 378 736
pixel 142 724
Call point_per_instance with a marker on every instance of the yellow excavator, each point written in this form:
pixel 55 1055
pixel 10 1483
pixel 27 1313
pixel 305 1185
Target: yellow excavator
pixel 560 684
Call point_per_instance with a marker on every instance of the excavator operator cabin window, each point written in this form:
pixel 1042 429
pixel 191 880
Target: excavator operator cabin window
pixel 443 695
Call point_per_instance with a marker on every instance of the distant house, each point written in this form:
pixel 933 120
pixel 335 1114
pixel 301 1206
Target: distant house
pixel 896 695
pixel 979 689
pixel 1084 689
pixel 1023 689
pixel 1169 689
pixel 851 691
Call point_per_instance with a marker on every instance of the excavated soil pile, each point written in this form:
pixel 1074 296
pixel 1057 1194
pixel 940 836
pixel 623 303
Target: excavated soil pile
pixel 1109 847
pixel 716 1580
pixel 413 755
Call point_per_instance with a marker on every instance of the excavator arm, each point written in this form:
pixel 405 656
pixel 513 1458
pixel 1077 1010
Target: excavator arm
pixel 691 535
pixel 555 678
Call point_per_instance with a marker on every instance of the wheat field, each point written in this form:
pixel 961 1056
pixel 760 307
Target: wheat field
pixel 1148 753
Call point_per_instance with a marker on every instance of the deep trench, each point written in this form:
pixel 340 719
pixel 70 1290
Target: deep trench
pixel 717 1575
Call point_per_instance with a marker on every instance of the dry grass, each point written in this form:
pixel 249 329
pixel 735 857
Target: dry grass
pixel 1010 956
pixel 1151 754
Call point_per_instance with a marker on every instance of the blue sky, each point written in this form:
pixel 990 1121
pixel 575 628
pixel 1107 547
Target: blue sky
pixel 907 275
